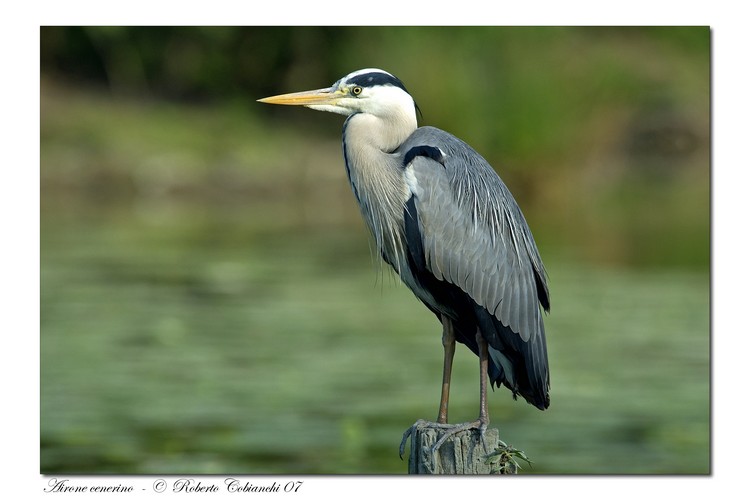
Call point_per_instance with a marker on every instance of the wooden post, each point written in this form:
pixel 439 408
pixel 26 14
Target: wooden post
pixel 462 453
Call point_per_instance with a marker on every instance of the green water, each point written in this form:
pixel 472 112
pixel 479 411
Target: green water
pixel 198 343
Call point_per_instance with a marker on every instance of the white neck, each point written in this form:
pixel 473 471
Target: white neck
pixel 376 175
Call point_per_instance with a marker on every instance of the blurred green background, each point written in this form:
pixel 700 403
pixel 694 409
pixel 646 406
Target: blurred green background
pixel 210 302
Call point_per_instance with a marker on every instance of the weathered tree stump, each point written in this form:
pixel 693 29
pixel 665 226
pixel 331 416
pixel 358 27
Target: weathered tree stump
pixel 461 453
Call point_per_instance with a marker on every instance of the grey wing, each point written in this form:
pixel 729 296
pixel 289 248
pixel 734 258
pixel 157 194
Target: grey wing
pixel 474 235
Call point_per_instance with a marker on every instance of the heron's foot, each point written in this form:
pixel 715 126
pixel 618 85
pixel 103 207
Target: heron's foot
pixel 452 429
pixel 448 431
pixel 419 423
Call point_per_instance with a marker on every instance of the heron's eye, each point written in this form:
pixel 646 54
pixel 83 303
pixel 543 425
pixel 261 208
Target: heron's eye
pixel 356 90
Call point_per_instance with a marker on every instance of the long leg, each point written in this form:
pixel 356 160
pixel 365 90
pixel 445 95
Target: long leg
pixel 484 417
pixel 480 423
pixel 449 347
pixel 483 421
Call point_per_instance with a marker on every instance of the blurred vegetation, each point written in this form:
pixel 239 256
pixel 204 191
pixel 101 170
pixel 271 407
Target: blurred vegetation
pixel 208 300
pixel 603 133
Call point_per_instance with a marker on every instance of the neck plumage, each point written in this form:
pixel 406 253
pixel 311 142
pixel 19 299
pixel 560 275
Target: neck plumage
pixel 376 177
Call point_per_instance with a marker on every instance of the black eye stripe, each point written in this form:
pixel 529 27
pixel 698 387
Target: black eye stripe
pixel 375 78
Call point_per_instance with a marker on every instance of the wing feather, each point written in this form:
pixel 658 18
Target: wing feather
pixel 474 235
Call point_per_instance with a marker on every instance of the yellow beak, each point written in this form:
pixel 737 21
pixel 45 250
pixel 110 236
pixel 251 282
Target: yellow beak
pixel 306 98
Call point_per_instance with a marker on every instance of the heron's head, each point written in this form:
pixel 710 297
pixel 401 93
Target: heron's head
pixel 372 91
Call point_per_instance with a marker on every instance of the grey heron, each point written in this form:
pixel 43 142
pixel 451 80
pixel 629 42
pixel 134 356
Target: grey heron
pixel 447 224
